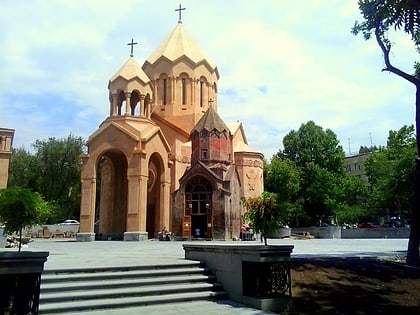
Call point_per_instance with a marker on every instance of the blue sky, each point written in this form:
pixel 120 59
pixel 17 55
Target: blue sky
pixel 281 64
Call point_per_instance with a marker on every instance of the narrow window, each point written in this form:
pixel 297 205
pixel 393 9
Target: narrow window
pixel 201 93
pixel 184 92
pixel 164 91
pixel 204 154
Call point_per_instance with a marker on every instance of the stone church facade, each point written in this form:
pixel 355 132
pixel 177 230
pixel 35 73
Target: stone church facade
pixel 163 157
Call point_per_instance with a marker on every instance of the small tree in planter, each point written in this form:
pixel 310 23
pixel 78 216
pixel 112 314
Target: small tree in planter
pixel 263 213
pixel 21 208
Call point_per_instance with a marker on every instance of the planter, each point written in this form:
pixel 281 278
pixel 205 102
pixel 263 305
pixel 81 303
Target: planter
pixel 282 233
pixel 20 277
pixel 255 275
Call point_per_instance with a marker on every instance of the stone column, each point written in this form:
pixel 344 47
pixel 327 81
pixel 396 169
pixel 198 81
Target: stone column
pixel 127 104
pixel 173 89
pixel 165 203
pixel 114 100
pixel 88 200
pixel 143 109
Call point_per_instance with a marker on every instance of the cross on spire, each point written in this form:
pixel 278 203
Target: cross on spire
pixel 180 9
pixel 131 44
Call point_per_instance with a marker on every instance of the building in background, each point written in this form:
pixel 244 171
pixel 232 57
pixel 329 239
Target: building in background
pixel 6 143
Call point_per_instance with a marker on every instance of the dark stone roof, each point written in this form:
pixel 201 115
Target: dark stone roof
pixel 210 121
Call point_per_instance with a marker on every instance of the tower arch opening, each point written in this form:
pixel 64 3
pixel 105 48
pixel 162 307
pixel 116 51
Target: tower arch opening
pixel 111 199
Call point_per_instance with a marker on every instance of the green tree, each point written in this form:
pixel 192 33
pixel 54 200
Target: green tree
pixel 21 208
pixel 312 144
pixel 53 171
pixel 391 173
pixel 58 174
pixel 263 213
pixel 22 169
pixel 379 17
pixel 319 158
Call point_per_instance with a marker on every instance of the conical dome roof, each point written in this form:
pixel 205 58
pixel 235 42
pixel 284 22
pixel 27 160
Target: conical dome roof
pixel 210 121
pixel 130 70
pixel 179 43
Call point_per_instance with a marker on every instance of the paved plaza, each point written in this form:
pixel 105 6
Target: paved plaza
pixel 67 253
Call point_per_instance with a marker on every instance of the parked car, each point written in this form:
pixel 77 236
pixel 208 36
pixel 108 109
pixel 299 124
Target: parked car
pixel 367 225
pixel 69 222
pixel 392 224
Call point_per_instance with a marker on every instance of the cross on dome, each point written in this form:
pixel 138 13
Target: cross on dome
pixel 132 44
pixel 180 9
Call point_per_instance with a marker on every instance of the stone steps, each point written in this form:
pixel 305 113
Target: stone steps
pixel 87 289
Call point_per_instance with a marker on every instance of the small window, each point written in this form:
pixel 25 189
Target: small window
pixel 184 91
pixel 164 96
pixel 204 154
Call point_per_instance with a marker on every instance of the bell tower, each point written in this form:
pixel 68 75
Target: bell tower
pixel 184 79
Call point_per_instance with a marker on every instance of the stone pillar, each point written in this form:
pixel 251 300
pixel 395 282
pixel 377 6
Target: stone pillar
pixel 173 90
pixel 88 200
pixel 127 104
pixel 136 199
pixel 143 109
pixel 114 100
pixel 165 203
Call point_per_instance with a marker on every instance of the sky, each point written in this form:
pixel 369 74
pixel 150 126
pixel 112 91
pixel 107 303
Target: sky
pixel 281 64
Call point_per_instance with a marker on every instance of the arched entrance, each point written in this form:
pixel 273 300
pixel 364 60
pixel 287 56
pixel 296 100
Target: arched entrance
pixel 198 205
pixel 111 206
pixel 154 192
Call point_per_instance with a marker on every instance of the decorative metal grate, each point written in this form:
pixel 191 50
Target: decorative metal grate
pixel 20 293
pixel 266 279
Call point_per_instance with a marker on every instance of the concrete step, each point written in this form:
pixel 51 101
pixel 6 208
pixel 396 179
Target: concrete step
pixel 86 289
pixel 57 286
pixel 100 293
pixel 123 302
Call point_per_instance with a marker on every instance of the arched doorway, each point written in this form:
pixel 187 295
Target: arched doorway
pixel 154 192
pixel 111 206
pixel 198 205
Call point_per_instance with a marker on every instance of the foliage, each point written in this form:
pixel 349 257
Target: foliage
pixel 263 213
pixel 306 173
pixel 391 172
pixel 282 177
pixel 20 208
pixel 379 17
pixel 53 171
pixel 311 144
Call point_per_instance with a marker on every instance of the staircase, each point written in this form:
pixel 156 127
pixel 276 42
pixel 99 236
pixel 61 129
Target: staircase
pixel 86 289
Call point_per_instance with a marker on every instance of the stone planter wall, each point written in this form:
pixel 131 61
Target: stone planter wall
pixel 20 278
pixel 255 275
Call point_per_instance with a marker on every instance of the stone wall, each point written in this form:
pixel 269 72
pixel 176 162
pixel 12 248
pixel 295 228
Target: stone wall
pixel 339 232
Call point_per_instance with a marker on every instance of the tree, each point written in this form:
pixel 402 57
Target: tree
pixel 53 171
pixel 319 159
pixel 311 144
pixel 391 173
pixel 379 17
pixel 263 213
pixel 58 167
pixel 21 208
pixel 22 169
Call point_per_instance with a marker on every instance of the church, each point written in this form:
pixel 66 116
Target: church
pixel 164 158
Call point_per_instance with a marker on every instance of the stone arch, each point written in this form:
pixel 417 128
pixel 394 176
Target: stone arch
pixel 184 88
pixel 121 100
pixel 135 104
pixel 163 89
pixel 112 189
pixel 198 205
pixel 203 92
pixel 155 199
